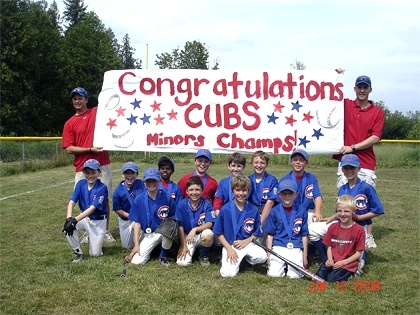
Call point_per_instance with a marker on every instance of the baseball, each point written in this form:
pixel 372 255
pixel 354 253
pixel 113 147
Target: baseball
pixel 328 116
pixel 108 99
pixel 122 136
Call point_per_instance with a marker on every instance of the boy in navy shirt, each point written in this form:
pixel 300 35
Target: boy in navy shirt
pixel 236 226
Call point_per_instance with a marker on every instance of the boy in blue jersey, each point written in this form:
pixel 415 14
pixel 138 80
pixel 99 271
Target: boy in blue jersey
pixel 224 194
pixel 166 168
pixel 149 209
pixel 122 200
pixel 308 193
pixel 368 204
pixel 196 218
pixel 236 226
pixel 92 196
pixel 262 183
pixel 287 232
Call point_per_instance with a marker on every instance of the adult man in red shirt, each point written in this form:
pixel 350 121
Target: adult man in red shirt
pixel 78 140
pixel 363 125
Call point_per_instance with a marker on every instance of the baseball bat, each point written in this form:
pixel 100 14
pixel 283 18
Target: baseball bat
pixel 124 272
pixel 302 270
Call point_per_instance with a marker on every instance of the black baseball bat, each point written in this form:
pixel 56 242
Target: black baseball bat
pixel 124 272
pixel 302 270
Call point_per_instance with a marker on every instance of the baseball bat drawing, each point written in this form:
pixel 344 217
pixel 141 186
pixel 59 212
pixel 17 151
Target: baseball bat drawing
pixel 302 270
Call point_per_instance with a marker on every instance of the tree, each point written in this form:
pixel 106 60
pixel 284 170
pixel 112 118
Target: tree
pixel 55 17
pixel 90 52
pixel 194 56
pixel 127 55
pixel 397 125
pixel 297 65
pixel 74 12
pixel 31 65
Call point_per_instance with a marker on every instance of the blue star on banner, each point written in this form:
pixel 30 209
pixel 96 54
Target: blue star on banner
pixel 317 134
pixel 296 106
pixel 145 119
pixel 136 103
pixel 132 119
pixel 272 118
pixel 303 141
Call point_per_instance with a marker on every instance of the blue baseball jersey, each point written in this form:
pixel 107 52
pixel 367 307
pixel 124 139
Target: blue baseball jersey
pixel 235 224
pixel 287 226
pixel 224 190
pixel 308 189
pixel 261 191
pixel 172 190
pixel 190 218
pixel 367 199
pixel 121 195
pixel 151 212
pixel 97 197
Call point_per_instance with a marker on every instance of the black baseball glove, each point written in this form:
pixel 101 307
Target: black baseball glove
pixel 69 226
pixel 169 228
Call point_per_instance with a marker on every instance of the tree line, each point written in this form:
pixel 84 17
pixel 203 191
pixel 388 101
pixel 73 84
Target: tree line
pixel 44 55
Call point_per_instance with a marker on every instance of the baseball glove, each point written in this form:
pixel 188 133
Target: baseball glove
pixel 69 226
pixel 168 228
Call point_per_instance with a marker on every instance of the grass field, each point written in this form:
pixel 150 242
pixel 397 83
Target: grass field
pixel 37 276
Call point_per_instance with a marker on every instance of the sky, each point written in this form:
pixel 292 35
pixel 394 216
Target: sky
pixel 378 38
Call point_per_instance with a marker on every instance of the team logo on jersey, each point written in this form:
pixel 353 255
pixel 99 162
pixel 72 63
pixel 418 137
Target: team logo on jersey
pixel 361 202
pixel 173 196
pixel 201 219
pixel 297 225
pixel 163 212
pixel 249 225
pixel 309 191
pixel 265 192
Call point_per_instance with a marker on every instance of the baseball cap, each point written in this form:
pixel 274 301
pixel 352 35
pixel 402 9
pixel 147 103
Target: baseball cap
pixel 363 79
pixel 203 152
pixel 164 160
pixel 350 160
pixel 151 173
pixel 287 184
pixel 301 152
pixel 79 90
pixel 130 166
pixel 92 164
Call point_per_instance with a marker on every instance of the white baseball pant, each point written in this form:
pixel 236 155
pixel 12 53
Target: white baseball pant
pixel 95 229
pixel 276 265
pixel 126 233
pixel 205 239
pixel 148 241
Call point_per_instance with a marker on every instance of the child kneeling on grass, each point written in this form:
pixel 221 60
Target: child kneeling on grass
pixel 287 232
pixel 237 224
pixel 345 241
pixel 92 196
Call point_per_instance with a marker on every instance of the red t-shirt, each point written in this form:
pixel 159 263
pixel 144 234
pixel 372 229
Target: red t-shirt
pixel 345 242
pixel 360 124
pixel 78 131
pixel 210 186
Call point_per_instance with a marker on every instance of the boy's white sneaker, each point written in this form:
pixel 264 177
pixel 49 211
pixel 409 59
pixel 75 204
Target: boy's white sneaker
pixel 85 238
pixel 108 237
pixel 370 241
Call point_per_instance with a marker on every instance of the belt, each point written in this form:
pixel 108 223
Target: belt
pixel 102 217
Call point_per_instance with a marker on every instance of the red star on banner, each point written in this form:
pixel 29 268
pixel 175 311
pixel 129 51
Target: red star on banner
pixel 278 107
pixel 290 120
pixel 307 117
pixel 172 114
pixel 120 111
pixel 111 123
pixel 155 106
pixel 159 120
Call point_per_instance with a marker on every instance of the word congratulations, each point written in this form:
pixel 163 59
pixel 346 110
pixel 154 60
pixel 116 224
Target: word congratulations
pixel 266 87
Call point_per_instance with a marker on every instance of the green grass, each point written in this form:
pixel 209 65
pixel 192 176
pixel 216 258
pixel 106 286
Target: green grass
pixel 37 276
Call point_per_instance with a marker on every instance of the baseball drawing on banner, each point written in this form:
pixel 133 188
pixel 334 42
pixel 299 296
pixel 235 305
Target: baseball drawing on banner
pixel 223 111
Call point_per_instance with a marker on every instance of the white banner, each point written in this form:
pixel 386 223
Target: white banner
pixel 220 110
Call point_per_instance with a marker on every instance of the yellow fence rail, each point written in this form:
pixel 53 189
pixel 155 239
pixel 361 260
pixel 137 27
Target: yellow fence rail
pixel 59 138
